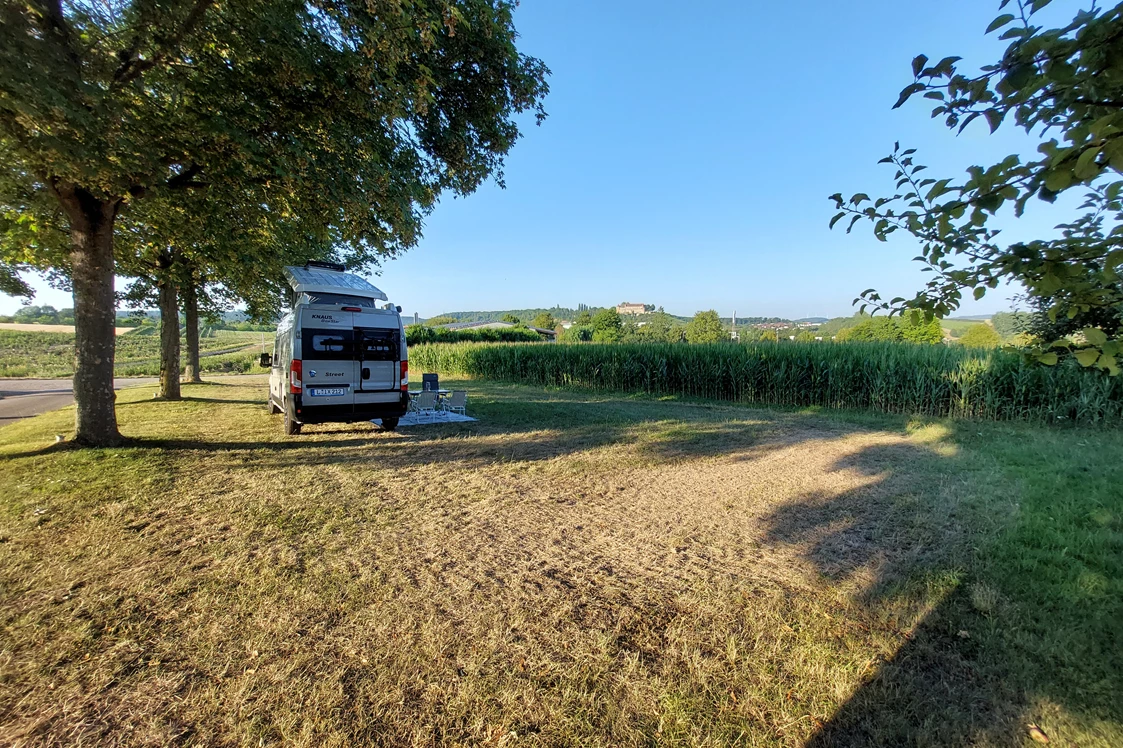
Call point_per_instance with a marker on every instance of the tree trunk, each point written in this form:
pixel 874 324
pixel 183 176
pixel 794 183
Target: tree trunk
pixel 191 314
pixel 169 337
pixel 91 260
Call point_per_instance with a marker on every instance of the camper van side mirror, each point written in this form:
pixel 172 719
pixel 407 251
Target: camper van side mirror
pixel 266 360
pixel 398 309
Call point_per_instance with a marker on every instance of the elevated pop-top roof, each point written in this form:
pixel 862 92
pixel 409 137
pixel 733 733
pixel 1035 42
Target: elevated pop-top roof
pixel 321 280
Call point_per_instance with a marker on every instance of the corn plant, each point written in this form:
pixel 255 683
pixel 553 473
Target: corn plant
pixel 888 377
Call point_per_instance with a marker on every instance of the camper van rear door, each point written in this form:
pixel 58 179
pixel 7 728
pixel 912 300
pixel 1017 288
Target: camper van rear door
pixel 328 349
pixel 377 350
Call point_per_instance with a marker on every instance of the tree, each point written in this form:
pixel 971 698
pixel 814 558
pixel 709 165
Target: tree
pixel 980 336
pixel 440 320
pixel 920 330
pixel 43 315
pixel 910 329
pixel 705 327
pixel 1009 324
pixel 578 334
pixel 584 317
pixel 607 326
pixel 544 321
pixel 1061 81
pixel 660 327
pixel 874 329
pixel 511 319
pixel 355 113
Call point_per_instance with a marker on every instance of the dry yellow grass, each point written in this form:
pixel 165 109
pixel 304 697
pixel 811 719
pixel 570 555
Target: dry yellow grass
pixel 565 572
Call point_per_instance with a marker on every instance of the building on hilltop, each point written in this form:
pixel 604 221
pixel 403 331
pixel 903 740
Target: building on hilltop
pixel 637 309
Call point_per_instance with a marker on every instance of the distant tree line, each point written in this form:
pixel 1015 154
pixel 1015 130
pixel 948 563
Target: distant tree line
pixel 41 315
pixel 421 334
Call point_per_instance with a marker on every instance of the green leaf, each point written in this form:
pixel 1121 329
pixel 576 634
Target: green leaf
pixel 1086 166
pixel 1049 359
pixel 999 22
pixel 1058 180
pixel 918 63
pixel 836 219
pixel 907 92
pixel 980 291
pixel 1114 152
pixel 1095 335
pixel 994 118
pixel 1086 356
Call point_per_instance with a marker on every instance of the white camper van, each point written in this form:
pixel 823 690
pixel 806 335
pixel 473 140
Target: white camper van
pixel 339 355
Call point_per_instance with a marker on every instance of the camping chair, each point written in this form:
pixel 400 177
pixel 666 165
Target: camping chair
pixel 430 382
pixel 457 402
pixel 424 404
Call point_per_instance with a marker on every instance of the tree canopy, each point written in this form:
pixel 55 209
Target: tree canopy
pixel 544 321
pixel 1064 86
pixel 607 326
pixel 705 327
pixel 894 329
pixel 347 118
pixel 980 336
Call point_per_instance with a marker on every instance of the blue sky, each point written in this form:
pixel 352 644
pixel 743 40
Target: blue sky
pixel 688 155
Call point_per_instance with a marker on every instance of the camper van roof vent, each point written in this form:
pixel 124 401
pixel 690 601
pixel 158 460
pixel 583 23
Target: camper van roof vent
pixel 321 280
pixel 336 266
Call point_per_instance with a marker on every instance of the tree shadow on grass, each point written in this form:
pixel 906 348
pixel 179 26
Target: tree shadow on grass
pixel 980 663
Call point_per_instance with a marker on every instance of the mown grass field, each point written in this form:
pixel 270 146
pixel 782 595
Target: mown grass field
pixel 575 569
pixel 49 354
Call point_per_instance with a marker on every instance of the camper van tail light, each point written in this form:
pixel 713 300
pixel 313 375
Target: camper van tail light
pixel 295 373
pixel 405 376
pixel 352 308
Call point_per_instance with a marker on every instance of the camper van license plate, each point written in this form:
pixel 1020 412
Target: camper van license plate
pixel 327 391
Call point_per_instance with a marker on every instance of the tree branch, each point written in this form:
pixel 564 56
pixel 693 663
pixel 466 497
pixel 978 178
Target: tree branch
pixel 55 26
pixel 132 66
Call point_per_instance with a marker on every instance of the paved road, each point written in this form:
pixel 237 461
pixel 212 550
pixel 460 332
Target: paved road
pixel 22 398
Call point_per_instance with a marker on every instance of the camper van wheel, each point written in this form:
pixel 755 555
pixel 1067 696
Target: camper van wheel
pixel 292 426
pixel 389 424
pixel 273 409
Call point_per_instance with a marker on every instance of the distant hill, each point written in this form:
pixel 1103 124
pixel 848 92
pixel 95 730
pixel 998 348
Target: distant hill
pixel 526 315
pixel 565 313
pixel 813 320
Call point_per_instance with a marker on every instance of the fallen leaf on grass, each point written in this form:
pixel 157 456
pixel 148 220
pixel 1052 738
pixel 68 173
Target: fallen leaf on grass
pixel 1037 734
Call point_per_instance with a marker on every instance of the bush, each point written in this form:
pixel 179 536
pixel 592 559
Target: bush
pixel 893 329
pixel 422 334
pixel 578 334
pixel 980 336
pixel 889 377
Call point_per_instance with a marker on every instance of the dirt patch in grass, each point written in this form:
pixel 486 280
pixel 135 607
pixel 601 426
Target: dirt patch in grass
pixel 565 572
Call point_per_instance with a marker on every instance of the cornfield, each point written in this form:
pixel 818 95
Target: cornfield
pixel 930 380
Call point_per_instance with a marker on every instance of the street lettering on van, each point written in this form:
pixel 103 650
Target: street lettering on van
pixel 333 373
